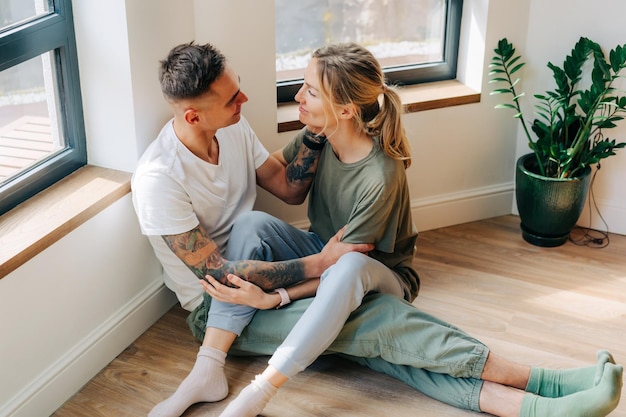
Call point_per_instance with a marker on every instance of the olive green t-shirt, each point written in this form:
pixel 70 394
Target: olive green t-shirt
pixel 371 196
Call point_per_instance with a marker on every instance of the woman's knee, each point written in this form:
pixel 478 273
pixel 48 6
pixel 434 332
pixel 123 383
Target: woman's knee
pixel 361 273
pixel 350 270
pixel 354 261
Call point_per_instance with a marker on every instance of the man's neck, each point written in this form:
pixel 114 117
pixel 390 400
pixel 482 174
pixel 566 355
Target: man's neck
pixel 201 143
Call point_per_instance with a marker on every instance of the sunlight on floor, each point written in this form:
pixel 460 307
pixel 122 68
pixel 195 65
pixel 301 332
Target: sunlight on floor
pixel 585 307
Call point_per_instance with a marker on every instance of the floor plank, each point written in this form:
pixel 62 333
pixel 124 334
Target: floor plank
pixel 550 307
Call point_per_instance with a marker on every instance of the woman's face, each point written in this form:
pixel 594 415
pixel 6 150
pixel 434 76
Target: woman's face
pixel 311 110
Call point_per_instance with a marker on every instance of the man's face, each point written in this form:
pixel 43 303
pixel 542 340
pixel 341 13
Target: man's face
pixel 221 107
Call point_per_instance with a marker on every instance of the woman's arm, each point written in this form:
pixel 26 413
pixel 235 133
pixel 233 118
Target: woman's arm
pixel 249 294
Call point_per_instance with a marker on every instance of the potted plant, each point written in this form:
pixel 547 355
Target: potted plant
pixel 568 134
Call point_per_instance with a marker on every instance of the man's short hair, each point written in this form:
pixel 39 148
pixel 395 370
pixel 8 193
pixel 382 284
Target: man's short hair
pixel 189 70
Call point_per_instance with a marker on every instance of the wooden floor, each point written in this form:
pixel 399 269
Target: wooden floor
pixel 551 307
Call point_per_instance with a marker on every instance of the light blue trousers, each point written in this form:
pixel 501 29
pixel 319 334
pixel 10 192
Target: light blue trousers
pixel 384 332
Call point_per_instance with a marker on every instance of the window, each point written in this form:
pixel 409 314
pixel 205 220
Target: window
pixel 42 134
pixel 415 40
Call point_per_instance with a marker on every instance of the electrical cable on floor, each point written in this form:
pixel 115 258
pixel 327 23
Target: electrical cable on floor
pixel 592 237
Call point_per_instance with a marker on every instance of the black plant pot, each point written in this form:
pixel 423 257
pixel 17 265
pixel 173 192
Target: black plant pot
pixel 548 207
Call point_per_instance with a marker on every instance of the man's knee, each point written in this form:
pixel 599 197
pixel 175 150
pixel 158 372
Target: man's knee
pixel 252 222
pixel 247 235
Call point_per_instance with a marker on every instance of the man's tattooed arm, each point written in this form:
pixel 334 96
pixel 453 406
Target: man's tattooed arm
pixel 201 254
pixel 300 172
pixel 291 181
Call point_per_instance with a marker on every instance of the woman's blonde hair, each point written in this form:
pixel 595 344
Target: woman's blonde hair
pixel 350 74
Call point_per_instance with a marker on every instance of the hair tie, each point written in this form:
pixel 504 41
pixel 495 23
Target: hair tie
pixel 384 88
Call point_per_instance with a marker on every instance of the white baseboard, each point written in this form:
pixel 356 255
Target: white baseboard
pixel 467 206
pixel 67 376
pixel 614 216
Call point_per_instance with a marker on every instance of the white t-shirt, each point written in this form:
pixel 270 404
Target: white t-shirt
pixel 174 191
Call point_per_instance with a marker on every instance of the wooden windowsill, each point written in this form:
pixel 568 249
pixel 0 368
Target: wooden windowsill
pixel 415 98
pixel 36 224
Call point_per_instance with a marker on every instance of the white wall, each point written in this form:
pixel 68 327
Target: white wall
pixel 70 310
pixel 74 307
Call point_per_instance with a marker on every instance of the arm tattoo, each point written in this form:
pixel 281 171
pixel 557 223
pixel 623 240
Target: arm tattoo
pixel 300 169
pixel 267 275
pixel 201 255
pixel 195 249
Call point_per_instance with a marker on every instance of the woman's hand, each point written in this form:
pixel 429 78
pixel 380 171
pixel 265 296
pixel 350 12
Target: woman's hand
pixel 335 248
pixel 245 293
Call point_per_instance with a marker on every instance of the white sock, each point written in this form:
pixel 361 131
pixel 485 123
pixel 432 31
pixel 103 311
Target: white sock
pixel 205 383
pixel 251 400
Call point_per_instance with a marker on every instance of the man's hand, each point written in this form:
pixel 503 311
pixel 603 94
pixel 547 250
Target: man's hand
pixel 245 293
pixel 335 248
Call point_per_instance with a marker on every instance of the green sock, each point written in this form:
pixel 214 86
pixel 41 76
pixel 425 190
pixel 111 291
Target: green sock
pixel 598 401
pixel 556 383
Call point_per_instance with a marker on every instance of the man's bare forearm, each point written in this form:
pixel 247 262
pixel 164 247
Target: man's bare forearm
pixel 201 255
pixel 267 275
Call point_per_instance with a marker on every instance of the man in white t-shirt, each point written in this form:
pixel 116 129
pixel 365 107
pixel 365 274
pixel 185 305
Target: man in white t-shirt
pixel 194 190
pixel 198 180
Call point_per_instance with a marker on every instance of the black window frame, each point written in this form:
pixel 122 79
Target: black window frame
pixel 445 69
pixel 52 32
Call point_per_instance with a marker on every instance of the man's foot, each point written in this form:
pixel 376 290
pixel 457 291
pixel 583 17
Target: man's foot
pixel 205 383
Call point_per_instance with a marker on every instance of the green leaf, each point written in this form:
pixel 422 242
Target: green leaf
pixel 505 106
pixel 502 91
pixel 517 68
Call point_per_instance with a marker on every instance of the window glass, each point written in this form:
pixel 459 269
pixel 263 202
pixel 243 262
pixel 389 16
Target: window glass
pixel 42 132
pixel 29 128
pixel 416 41
pixel 13 12
pixel 397 32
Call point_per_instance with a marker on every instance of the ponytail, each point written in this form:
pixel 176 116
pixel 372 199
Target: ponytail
pixel 388 126
pixel 349 73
